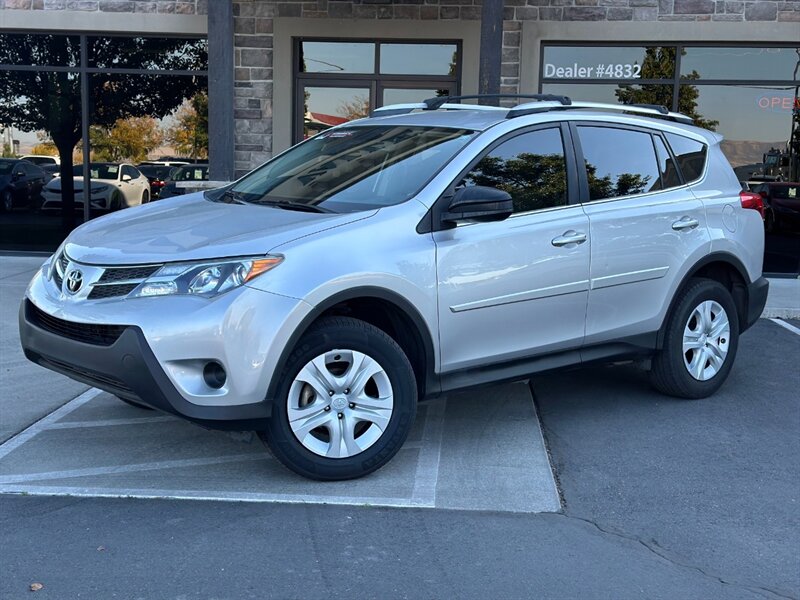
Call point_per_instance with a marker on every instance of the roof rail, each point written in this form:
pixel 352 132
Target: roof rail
pixel 402 109
pixel 437 102
pixel 650 110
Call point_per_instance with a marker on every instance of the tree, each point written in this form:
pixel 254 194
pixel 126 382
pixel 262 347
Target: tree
pixel 51 101
pixel 45 148
pixel 128 139
pixel 357 108
pixel 189 135
pixel 659 63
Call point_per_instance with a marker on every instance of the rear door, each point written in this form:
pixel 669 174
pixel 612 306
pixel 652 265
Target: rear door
pixel 645 225
pixel 516 288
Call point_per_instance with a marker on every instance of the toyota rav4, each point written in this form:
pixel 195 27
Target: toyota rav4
pixel 428 248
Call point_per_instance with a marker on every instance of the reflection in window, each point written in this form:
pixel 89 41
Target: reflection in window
pixel 355 168
pixel 336 57
pixel 411 95
pixel 740 63
pixel 690 154
pixel 40 50
pixel 419 59
pixel 619 162
pixel 608 62
pixel 166 54
pixel 530 167
pixel 325 107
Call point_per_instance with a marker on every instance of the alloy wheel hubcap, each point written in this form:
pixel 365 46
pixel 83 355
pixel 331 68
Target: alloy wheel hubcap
pixel 706 340
pixel 340 403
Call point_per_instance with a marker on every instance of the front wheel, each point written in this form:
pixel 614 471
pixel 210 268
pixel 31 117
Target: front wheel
pixel 700 342
pixel 345 404
pixel 145 197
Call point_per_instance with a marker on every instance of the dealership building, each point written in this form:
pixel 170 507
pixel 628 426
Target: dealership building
pixel 277 72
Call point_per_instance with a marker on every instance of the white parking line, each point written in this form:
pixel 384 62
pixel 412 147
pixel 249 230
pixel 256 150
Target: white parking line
pixel 135 468
pixel 786 325
pixel 216 496
pixel 42 424
pixel 427 474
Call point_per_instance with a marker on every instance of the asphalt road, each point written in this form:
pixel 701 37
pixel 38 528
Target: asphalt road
pixel 662 499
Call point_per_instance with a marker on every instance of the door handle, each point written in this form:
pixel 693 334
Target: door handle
pixel 569 237
pixel 685 223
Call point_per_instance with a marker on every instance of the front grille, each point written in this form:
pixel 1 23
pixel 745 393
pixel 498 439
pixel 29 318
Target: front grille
pixel 99 379
pixel 114 274
pixel 88 333
pixel 110 291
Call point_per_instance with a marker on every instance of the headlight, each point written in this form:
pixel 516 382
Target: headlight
pixel 207 278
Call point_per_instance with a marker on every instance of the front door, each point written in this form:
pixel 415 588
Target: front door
pixel 516 288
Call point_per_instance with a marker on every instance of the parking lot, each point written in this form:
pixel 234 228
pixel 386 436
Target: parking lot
pixel 582 483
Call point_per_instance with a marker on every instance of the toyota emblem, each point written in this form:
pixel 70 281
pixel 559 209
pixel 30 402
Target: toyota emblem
pixel 74 281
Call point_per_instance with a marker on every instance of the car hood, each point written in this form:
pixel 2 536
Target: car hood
pixel 193 228
pixel 55 184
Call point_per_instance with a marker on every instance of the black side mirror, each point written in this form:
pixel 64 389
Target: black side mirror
pixel 19 175
pixel 479 203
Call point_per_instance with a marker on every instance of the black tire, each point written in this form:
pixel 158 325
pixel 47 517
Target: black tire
pixel 335 333
pixel 145 197
pixel 116 201
pixel 134 403
pixel 668 373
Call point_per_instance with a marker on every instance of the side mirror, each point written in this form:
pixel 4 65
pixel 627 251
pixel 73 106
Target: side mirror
pixel 479 203
pixel 18 175
pixel 126 178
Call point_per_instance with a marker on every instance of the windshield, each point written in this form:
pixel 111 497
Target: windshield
pixel 191 173
pixel 157 172
pixel 97 171
pixel 354 168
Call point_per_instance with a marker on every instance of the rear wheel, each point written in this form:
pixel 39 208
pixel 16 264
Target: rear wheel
pixel 700 342
pixel 145 197
pixel 346 402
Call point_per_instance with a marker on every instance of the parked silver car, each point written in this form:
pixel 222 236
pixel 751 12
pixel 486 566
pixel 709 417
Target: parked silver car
pixel 428 248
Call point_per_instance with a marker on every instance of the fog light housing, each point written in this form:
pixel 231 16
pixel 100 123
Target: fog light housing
pixel 214 375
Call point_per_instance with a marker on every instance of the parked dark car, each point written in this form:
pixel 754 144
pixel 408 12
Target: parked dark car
pixel 183 174
pixel 781 205
pixel 21 183
pixel 157 175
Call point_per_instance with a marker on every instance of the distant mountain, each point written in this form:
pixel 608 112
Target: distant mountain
pixel 746 152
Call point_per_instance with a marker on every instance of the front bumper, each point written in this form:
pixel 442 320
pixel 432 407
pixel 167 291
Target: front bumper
pixel 756 300
pixel 127 368
pixel 152 350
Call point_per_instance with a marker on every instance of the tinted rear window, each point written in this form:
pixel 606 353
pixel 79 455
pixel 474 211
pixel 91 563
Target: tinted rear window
pixel 785 191
pixel 690 154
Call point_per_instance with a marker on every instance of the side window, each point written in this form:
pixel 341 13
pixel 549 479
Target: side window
pixel 128 170
pixel 619 162
pixel 691 156
pixel 531 167
pixel 669 171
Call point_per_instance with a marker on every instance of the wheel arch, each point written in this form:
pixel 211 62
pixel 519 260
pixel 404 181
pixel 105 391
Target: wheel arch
pixel 386 310
pixel 723 267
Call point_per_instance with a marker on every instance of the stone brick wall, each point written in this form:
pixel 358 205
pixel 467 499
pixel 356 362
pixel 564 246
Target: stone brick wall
pixel 183 7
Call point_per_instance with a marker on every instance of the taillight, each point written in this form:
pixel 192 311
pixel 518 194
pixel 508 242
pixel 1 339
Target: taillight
pixel 752 201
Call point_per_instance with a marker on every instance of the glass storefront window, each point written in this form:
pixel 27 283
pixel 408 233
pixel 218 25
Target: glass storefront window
pixel 608 62
pixel 40 50
pixel 741 63
pixel 336 57
pixel 410 95
pixel 153 53
pixel 419 59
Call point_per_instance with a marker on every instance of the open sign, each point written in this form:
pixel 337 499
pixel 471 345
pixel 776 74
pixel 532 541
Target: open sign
pixel 778 103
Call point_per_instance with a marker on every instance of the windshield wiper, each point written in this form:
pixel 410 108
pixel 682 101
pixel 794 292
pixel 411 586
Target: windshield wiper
pixel 231 197
pixel 286 204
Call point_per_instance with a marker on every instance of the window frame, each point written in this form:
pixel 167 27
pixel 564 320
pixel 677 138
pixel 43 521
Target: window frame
pixel 376 81
pixel 677 164
pixel 583 178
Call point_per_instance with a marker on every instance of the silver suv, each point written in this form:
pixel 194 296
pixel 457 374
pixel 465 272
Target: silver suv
pixel 428 248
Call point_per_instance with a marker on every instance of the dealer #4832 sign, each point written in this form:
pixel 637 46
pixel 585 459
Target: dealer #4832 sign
pixel 598 71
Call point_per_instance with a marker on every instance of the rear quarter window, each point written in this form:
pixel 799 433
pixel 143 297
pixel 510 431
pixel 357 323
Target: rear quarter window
pixel 690 154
